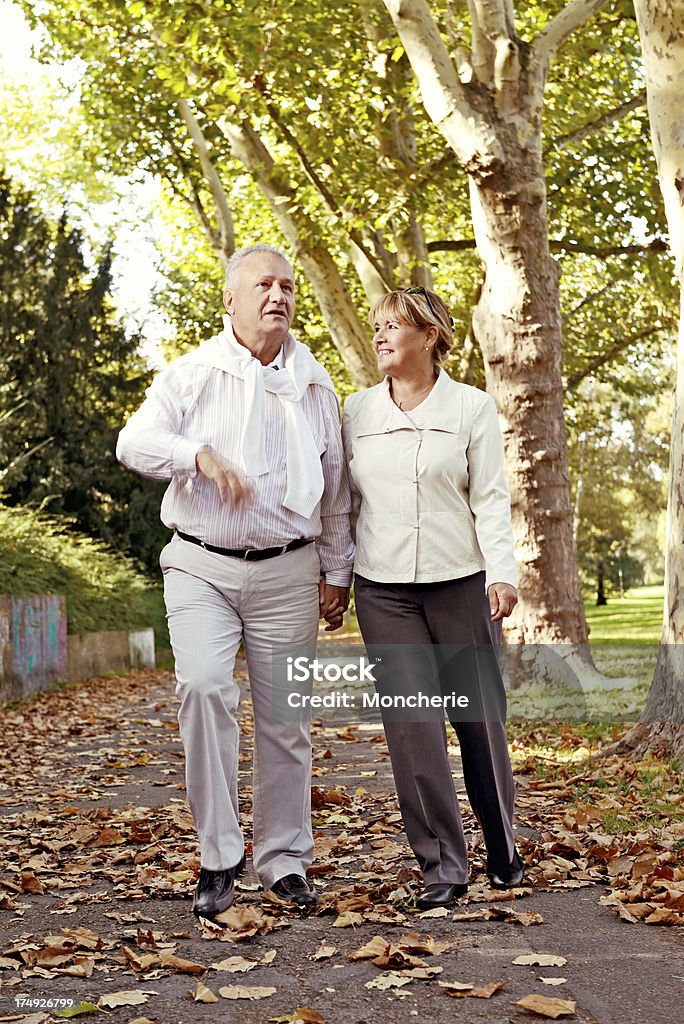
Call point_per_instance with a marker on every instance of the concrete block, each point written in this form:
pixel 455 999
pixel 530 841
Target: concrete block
pixel 96 654
pixel 141 648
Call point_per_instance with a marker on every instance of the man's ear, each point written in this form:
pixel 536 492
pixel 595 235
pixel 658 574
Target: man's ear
pixel 228 301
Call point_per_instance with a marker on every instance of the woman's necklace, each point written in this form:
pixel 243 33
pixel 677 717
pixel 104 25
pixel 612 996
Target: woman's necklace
pixel 400 405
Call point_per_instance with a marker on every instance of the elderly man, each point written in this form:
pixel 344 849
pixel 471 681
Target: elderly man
pixel 247 429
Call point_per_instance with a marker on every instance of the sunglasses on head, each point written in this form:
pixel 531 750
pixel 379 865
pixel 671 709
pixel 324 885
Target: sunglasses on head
pixel 419 290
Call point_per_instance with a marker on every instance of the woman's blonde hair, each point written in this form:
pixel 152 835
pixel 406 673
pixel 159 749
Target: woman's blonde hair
pixel 423 309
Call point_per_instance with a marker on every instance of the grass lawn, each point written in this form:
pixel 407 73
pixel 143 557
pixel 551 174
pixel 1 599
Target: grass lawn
pixel 637 618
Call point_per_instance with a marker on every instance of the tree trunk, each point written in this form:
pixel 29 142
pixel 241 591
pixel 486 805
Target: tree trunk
pixel 661 28
pixel 222 237
pixel 601 599
pixel 518 325
pixel 490 114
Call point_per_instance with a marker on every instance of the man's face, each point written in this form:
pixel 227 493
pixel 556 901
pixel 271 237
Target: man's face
pixel 261 304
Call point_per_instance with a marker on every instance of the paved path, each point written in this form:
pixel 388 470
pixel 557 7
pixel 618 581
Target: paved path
pixel 99 857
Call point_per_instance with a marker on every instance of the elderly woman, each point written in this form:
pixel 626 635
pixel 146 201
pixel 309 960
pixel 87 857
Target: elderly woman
pixel 434 576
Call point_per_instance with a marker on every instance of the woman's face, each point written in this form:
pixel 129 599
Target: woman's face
pixel 400 348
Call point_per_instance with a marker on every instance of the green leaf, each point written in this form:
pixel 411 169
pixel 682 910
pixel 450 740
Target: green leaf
pixel 76 1011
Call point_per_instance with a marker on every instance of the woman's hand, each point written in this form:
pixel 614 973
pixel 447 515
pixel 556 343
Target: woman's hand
pixel 502 600
pixel 333 602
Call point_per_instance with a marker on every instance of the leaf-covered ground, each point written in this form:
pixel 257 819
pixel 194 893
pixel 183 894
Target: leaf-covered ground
pixel 99 859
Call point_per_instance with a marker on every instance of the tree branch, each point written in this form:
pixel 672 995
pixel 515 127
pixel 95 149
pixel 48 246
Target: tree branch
pixel 339 310
pixel 588 299
pixel 445 99
pixel 562 245
pixel 593 127
pixel 193 199
pixel 323 190
pixel 224 214
pixel 491 19
pixel 567 21
pixel 482 51
pixel 610 354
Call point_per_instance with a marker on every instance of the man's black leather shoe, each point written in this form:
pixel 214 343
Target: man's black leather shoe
pixel 295 889
pixel 440 894
pixel 513 879
pixel 215 890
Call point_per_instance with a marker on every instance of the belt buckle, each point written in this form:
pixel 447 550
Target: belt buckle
pixel 248 552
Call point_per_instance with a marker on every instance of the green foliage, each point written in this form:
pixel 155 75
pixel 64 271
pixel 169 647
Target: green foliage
pixel 329 85
pixel 68 374
pixel 47 142
pixel 103 589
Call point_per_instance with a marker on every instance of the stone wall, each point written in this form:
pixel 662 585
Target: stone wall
pixel 35 650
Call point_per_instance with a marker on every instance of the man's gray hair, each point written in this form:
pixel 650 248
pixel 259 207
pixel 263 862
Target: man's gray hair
pixel 233 264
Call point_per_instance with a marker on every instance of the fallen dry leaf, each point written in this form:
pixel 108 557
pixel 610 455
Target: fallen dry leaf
pixel 128 997
pixel 235 965
pixel 545 1006
pixel 553 981
pixel 395 958
pixel 246 991
pixel 664 916
pixel 323 952
pixel 374 947
pixel 242 923
pixel 84 937
pixel 180 966
pixel 77 1010
pixel 459 990
pixel 303 1015
pixel 524 917
pixel 540 960
pixel 203 994
pixel 30 883
pixel 348 920
pixel 391 980
pixel 416 943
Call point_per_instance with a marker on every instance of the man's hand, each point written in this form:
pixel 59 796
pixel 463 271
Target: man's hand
pixel 333 603
pixel 502 600
pixel 226 479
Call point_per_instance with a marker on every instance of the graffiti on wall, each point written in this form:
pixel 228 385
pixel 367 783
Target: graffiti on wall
pixel 39 640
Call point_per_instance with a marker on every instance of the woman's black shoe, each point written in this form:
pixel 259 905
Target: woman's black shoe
pixel 440 894
pixel 511 881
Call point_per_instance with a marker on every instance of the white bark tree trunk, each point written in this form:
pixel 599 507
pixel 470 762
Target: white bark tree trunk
pixel 222 237
pixel 490 114
pixel 661 28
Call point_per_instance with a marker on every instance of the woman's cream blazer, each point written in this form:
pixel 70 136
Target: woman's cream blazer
pixel 430 500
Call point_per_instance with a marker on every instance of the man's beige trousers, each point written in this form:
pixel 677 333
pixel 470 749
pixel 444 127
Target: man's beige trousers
pixel 213 602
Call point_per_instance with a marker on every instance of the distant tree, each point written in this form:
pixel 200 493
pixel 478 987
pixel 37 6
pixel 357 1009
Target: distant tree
pixel 618 465
pixel 68 373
